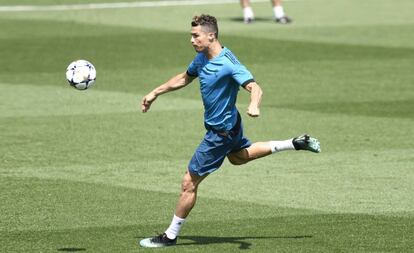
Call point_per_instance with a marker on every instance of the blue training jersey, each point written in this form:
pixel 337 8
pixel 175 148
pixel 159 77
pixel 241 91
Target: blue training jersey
pixel 220 80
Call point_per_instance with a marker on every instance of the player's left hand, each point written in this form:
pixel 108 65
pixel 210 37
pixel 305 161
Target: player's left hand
pixel 253 111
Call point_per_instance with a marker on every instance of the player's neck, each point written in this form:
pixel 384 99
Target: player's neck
pixel 214 50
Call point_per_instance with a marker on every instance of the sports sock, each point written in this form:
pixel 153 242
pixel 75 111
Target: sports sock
pixel 277 146
pixel 248 13
pixel 174 229
pixel 278 11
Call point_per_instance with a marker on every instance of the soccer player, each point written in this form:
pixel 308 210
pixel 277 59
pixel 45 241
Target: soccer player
pixel 220 74
pixel 279 14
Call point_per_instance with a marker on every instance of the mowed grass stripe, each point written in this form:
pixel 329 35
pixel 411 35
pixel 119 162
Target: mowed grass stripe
pixel 318 233
pixel 59 2
pixel 40 100
pixel 279 181
pixel 373 23
pixel 100 219
pixel 80 205
pixel 115 5
pixel 108 49
pixel 100 138
pixel 386 109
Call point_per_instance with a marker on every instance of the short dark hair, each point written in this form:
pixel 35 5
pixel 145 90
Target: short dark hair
pixel 206 21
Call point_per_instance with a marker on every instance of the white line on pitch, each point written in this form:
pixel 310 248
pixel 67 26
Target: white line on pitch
pixel 23 8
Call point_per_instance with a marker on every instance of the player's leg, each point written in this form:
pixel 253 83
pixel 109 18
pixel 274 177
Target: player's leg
pixel 256 150
pixel 262 149
pixel 208 157
pixel 188 194
pixel 248 15
pixel 186 202
pixel 280 16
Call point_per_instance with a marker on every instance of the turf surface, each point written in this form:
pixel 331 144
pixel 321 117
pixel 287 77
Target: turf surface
pixel 86 171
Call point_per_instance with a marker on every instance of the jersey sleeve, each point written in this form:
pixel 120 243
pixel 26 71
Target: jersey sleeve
pixel 192 68
pixel 242 76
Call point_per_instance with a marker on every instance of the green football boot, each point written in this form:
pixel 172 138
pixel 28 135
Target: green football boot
pixel 306 142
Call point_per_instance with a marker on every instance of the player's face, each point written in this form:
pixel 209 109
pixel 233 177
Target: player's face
pixel 200 39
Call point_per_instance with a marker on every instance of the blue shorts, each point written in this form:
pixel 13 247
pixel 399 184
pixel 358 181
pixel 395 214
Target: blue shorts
pixel 214 148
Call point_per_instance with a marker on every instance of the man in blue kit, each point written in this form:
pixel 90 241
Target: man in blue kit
pixel 220 75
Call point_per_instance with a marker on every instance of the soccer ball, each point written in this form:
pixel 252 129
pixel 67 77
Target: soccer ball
pixel 81 74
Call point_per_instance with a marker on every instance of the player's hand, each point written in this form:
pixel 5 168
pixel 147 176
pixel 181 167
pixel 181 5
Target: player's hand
pixel 253 111
pixel 147 101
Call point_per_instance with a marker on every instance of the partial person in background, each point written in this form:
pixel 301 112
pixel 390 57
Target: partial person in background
pixel 279 14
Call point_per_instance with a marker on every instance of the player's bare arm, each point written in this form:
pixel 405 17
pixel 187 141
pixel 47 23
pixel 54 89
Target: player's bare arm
pixel 255 98
pixel 175 83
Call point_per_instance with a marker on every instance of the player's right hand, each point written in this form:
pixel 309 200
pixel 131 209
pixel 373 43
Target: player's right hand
pixel 147 101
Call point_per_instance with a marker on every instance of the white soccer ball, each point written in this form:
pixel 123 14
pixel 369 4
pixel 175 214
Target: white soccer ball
pixel 81 74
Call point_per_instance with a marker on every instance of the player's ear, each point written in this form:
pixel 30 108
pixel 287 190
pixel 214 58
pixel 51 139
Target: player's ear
pixel 211 37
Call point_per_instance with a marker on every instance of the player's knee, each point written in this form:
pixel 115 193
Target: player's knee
pixel 237 160
pixel 188 185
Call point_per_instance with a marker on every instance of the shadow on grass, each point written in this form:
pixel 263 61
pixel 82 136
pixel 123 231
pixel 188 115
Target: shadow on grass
pixel 71 249
pixel 205 240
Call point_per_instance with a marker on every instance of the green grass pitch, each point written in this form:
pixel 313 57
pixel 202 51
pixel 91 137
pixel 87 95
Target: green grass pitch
pixel 86 171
